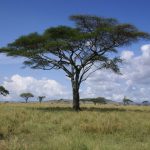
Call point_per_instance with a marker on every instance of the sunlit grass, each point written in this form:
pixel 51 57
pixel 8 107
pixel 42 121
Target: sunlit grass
pixel 48 126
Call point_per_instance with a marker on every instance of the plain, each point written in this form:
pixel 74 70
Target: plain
pixel 51 126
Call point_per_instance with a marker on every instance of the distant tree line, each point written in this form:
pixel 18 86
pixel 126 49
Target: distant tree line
pixel 98 100
pixel 26 96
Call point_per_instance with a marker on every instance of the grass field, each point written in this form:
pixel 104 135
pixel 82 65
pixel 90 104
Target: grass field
pixel 56 127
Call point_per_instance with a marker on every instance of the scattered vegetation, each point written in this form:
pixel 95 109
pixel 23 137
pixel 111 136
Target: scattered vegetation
pixel 3 91
pixel 26 96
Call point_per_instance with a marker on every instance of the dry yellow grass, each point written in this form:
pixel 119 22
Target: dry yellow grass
pixel 48 126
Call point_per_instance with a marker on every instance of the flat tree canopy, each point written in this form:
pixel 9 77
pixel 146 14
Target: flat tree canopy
pixel 26 96
pixel 78 50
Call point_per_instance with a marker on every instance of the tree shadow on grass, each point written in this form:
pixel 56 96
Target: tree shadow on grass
pixel 90 109
pixel 51 109
pixel 1 136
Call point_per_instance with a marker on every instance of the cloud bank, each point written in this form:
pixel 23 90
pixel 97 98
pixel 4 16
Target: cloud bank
pixel 18 84
pixel 133 83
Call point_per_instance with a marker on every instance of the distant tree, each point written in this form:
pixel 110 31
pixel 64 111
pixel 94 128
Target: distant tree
pixel 145 102
pixel 79 51
pixel 40 98
pixel 127 101
pixel 26 96
pixel 98 100
pixel 3 91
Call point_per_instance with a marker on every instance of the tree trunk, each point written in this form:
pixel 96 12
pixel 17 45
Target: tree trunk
pixel 76 96
pixel 26 100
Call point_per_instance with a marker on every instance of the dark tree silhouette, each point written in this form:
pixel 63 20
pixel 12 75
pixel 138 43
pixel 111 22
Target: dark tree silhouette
pixel 26 96
pixel 98 100
pixel 127 101
pixel 145 103
pixel 40 98
pixel 79 51
pixel 3 91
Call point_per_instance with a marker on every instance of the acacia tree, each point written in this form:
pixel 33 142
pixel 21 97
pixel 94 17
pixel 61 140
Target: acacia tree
pixel 3 91
pixel 40 98
pixel 79 51
pixel 145 102
pixel 126 101
pixel 26 96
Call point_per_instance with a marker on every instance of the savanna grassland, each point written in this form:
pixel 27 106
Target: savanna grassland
pixel 48 126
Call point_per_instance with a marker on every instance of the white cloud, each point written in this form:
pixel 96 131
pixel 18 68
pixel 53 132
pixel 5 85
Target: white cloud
pixel 146 50
pixel 127 55
pixel 134 83
pixel 18 84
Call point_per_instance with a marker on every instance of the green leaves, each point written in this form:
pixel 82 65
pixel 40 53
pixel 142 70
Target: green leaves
pixel 3 91
pixel 60 32
pixel 126 101
pixel 112 64
pixel 26 95
pixel 88 23
pixel 33 40
pixel 91 40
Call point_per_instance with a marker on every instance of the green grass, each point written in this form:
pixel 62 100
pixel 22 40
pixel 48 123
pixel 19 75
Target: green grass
pixel 57 127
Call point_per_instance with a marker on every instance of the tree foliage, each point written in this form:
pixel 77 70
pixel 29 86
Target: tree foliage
pixel 26 96
pixel 98 100
pixel 127 101
pixel 40 98
pixel 3 91
pixel 92 44
pixel 145 102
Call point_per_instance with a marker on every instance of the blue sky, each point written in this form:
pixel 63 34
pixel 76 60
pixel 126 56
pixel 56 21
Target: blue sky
pixel 24 16
pixel 20 17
